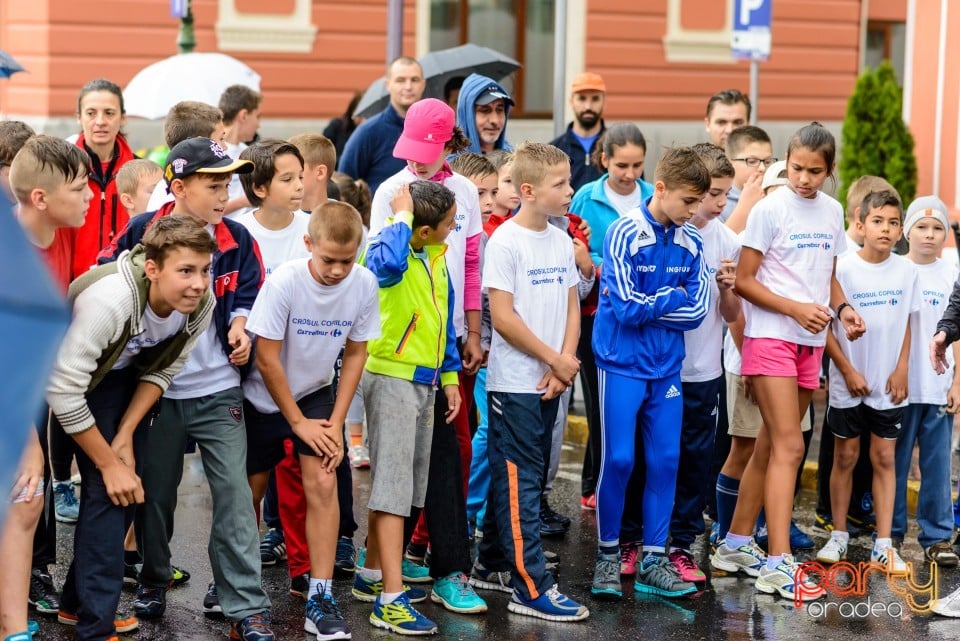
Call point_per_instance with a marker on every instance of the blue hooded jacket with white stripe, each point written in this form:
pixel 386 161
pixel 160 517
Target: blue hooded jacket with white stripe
pixel 653 287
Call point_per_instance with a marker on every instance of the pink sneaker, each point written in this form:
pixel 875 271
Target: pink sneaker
pixel 628 558
pixel 588 502
pixel 686 568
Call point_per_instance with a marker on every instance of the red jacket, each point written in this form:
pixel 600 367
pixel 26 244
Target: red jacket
pixel 588 307
pixel 106 216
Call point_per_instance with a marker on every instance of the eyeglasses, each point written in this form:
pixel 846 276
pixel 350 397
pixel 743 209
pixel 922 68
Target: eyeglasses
pixel 753 162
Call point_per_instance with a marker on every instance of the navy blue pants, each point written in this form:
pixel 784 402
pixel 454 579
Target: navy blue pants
pixel 518 446
pixel 700 409
pixel 96 571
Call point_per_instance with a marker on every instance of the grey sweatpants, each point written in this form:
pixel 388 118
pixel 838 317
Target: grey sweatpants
pixel 215 422
pixel 400 430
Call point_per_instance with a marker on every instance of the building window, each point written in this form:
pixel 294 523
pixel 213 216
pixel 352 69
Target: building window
pixel 886 41
pixel 494 24
pixel 248 25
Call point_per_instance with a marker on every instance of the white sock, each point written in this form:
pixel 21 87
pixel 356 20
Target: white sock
pixel 389 597
pixel 319 586
pixel 882 544
pixel 370 575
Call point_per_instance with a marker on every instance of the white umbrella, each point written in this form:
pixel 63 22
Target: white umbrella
pixel 186 76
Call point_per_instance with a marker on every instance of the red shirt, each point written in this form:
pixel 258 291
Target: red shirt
pixel 59 256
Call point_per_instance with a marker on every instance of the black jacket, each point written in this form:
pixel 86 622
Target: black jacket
pixel 950 322
pixel 582 169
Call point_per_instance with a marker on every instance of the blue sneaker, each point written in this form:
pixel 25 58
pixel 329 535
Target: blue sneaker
pixel 65 503
pixel 273 549
pixel 19 636
pixel 550 606
pixel 455 593
pixel 151 603
pixel 368 591
pixel 413 572
pixel 255 627
pixel 344 564
pixel 714 535
pixel 799 539
pixel 324 618
pixel 401 617
pixel 33 627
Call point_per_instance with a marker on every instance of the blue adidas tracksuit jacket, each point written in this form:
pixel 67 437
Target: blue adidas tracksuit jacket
pixel 653 287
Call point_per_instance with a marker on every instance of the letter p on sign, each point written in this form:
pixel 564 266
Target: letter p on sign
pixel 746 8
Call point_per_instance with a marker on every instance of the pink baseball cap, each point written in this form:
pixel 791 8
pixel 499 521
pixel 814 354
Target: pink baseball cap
pixel 427 128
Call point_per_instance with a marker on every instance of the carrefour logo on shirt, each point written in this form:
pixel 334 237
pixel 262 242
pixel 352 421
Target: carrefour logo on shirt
pixel 547 275
pixel 878 298
pixel 933 297
pixel 325 327
pixel 817 240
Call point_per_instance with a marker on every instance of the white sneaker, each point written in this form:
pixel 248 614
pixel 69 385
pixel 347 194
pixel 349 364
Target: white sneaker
pixel 782 580
pixel 948 606
pixel 746 558
pixel 359 456
pixel 834 551
pixel 889 559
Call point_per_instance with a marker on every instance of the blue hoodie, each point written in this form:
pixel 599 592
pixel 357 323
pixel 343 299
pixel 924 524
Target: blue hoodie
pixel 473 86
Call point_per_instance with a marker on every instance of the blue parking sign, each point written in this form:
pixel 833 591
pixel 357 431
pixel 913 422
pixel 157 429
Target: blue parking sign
pixel 751 29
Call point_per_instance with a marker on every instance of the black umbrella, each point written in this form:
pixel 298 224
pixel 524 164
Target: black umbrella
pixel 33 319
pixel 439 67
pixel 8 66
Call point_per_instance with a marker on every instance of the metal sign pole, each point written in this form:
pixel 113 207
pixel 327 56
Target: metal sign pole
pixel 559 66
pixel 754 91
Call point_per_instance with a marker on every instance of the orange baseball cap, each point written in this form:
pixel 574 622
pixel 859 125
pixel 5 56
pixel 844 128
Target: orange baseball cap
pixel 588 82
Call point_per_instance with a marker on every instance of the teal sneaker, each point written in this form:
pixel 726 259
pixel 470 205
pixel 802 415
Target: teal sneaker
pixel 368 591
pixel 413 572
pixel 401 617
pixel 455 593
pixel 606 577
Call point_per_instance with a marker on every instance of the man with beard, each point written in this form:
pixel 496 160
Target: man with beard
pixel 587 95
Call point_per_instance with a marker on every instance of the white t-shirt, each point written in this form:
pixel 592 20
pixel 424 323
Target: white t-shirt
pixel 621 203
pixel 799 239
pixel 936 282
pixel 732 362
pixel 314 322
pixel 235 190
pixel 884 294
pixel 155 330
pixel 207 370
pixel 159 197
pixel 538 268
pixel 702 360
pixel 277 246
pixel 468 220
pixel 852 246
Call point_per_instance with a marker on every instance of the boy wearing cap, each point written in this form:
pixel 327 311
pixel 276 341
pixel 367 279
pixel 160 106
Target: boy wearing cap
pixel 483 108
pixel 204 402
pixel 924 421
pixel 868 378
pixel 587 95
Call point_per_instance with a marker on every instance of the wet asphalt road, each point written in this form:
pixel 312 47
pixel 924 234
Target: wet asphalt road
pixel 728 609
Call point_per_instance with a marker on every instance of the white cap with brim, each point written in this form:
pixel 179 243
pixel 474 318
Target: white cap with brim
pixel 772 178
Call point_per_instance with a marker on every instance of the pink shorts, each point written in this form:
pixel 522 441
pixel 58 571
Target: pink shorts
pixel 774 357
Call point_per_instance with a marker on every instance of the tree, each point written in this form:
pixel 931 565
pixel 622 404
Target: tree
pixel 876 141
